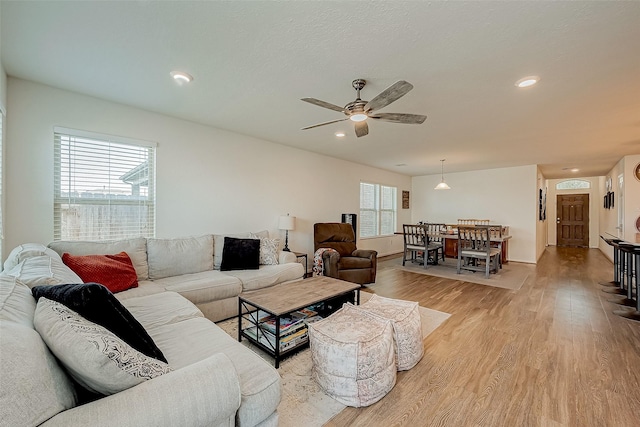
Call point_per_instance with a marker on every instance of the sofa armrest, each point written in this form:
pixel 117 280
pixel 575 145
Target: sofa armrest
pixel 287 257
pixel 205 393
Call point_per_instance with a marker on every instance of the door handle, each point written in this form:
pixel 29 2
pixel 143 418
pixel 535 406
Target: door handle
pixel 557 220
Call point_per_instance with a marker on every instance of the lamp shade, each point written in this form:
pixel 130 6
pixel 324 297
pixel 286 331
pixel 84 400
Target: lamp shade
pixel 287 222
pixel 442 186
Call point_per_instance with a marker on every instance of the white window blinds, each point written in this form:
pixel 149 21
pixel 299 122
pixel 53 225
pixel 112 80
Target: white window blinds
pixel 104 187
pixel 378 208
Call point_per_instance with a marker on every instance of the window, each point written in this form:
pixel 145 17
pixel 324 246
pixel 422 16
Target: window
pixel 573 184
pixel 378 209
pixel 104 187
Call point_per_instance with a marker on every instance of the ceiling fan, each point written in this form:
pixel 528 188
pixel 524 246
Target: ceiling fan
pixel 359 111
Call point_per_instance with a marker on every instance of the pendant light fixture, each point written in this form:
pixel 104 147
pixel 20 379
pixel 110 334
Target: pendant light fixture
pixel 443 185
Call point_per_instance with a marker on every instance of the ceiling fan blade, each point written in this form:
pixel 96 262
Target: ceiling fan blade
pixel 410 119
pixel 325 123
pixel 362 128
pixel 323 104
pixel 390 94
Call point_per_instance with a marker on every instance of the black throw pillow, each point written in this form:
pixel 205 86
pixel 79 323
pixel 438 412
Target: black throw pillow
pixel 240 254
pixel 97 304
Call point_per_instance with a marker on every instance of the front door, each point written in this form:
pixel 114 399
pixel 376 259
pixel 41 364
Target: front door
pixel 572 217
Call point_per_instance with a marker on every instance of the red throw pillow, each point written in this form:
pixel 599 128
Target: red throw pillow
pixel 115 272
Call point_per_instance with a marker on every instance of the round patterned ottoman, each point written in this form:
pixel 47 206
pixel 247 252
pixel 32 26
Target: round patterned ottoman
pixel 353 356
pixel 407 327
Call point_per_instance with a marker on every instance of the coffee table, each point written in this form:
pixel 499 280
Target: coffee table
pixel 283 299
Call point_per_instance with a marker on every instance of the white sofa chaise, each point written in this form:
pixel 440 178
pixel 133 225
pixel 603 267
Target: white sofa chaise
pixel 215 381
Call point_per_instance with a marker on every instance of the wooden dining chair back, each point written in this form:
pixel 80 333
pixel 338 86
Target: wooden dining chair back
pixel 435 231
pixel 417 245
pixel 474 245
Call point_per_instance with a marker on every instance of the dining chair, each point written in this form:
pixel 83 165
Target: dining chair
pixel 434 231
pixel 417 244
pixel 474 244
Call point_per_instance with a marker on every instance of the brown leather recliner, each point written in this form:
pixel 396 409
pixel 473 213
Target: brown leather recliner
pixel 350 264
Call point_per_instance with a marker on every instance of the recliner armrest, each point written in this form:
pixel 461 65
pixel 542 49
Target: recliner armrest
pixel 365 253
pixel 330 260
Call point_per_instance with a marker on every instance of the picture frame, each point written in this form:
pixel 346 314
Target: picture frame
pixel 611 200
pixel 405 199
pixel 636 172
pixel 606 201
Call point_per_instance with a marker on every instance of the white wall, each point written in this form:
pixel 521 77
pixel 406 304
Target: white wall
pixel 595 208
pixel 542 225
pixel 208 180
pixel 505 196
pixel 631 198
pixel 631 194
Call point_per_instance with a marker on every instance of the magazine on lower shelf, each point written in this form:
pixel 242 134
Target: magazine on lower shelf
pixel 268 339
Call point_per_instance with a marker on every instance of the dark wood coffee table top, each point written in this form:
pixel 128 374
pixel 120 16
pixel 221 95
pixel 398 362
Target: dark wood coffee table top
pixel 287 297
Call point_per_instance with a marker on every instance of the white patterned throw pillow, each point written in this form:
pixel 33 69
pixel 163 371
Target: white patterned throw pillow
pixel 93 356
pixel 268 250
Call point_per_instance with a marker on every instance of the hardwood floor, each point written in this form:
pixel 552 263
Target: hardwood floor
pixel 549 354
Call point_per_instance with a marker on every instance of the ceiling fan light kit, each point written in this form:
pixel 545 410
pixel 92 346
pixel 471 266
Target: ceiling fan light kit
pixel 359 111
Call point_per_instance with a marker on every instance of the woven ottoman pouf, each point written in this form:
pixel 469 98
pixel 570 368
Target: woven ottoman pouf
pixel 353 356
pixel 407 327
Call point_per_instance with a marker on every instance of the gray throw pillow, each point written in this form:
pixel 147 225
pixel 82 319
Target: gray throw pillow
pixel 96 358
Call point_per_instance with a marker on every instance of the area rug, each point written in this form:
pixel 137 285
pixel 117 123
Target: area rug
pixel 303 403
pixel 511 276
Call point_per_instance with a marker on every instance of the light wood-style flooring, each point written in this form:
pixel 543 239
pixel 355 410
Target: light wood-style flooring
pixel 549 354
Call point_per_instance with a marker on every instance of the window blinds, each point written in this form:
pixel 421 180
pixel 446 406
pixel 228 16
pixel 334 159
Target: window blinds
pixel 104 187
pixel 378 208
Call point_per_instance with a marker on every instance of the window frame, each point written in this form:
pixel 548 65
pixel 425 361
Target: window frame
pixel 104 145
pixel 378 210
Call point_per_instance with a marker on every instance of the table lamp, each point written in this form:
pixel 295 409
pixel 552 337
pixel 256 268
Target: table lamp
pixel 287 223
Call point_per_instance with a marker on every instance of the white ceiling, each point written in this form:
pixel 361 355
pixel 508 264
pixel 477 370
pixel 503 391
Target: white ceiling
pixel 253 61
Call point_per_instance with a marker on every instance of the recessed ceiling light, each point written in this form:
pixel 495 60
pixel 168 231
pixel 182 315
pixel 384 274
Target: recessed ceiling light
pixel 340 134
pixel 527 81
pixel 575 170
pixel 181 76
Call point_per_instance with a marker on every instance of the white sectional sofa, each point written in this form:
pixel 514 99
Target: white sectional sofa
pixel 215 381
pixel 190 266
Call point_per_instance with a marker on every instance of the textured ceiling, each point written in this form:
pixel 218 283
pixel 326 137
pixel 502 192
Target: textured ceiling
pixel 253 61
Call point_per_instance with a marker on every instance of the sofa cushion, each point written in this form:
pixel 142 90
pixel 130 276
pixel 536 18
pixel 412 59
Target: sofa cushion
pixel 34 387
pixel 173 257
pixel 175 308
pixel 116 272
pixel 27 250
pixel 268 275
pixel 196 339
pixel 203 287
pixel 97 304
pixel 136 249
pixel 145 287
pixel 96 358
pixel 240 254
pixel 43 270
pixel 16 303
